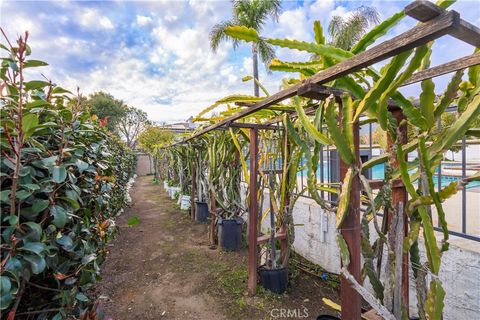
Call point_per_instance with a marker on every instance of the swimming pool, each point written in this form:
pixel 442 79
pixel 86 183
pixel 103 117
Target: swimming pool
pixel 378 173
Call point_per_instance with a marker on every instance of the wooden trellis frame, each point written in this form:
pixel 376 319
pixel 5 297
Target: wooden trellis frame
pixel 436 22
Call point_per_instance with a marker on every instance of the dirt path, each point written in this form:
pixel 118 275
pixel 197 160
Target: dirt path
pixel 163 268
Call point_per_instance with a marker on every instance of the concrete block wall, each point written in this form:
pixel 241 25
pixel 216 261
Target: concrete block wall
pixel 315 239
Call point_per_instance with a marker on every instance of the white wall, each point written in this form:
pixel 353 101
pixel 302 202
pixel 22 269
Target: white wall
pixel 460 271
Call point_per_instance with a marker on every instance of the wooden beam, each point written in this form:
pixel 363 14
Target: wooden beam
pixel 410 39
pixel 425 11
pixel 438 22
pixel 378 184
pixel 445 68
pixel 468 33
pixel 350 230
pixel 265 238
pixel 253 214
pixel 417 36
pixel 318 92
pixel 273 108
pixel 253 125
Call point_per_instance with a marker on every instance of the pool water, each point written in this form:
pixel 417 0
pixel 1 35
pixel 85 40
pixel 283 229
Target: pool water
pixel 378 173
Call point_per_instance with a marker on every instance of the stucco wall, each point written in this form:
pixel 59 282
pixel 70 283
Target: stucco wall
pixel 460 272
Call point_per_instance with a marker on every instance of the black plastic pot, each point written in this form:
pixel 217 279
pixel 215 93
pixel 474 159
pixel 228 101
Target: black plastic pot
pixel 275 280
pixel 230 234
pixel 201 212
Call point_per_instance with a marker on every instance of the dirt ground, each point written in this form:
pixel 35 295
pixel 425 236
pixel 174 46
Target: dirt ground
pixel 163 268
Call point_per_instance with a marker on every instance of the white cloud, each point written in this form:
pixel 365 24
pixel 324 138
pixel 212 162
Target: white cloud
pixel 20 24
pixel 92 19
pixel 320 8
pixel 143 20
pixel 171 18
pixel 247 65
pixel 340 11
pixel 171 72
pixel 293 24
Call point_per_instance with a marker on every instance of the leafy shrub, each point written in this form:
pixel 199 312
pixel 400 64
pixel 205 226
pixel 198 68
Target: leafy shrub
pixel 63 180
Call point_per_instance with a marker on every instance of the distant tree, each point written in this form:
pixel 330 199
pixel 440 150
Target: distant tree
pixel 105 106
pixel 153 137
pixel 131 124
pixel 252 14
pixel 346 32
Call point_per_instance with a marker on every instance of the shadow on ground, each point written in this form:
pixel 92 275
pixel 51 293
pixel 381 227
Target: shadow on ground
pixel 163 268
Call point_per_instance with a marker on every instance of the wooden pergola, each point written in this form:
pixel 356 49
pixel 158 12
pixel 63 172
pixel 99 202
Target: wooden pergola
pixel 435 23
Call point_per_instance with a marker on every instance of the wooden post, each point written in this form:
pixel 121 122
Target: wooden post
pixel 399 194
pixel 283 229
pixel 351 300
pixel 213 217
pixel 253 214
pixel 194 191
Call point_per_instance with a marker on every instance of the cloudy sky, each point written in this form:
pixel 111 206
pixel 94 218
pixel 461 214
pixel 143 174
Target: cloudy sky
pixel 155 55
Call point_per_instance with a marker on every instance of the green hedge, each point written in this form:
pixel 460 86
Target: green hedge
pixel 63 181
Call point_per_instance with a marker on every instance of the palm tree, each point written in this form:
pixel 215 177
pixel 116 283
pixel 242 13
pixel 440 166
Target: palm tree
pixel 252 14
pixel 346 32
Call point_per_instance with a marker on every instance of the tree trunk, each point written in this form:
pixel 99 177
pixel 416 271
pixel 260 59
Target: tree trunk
pixel 255 69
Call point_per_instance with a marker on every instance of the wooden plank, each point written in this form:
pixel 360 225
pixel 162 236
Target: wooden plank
pixel 350 230
pixel 425 10
pixel 445 68
pixel 253 214
pixel 250 104
pixel 412 38
pixel 417 36
pixel 265 238
pixel 378 184
pixel 452 66
pixel 318 92
pixel 468 33
pixel 253 125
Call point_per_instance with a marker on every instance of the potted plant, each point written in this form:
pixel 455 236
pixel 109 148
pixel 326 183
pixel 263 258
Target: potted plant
pixel 273 274
pixel 224 176
pixel 281 181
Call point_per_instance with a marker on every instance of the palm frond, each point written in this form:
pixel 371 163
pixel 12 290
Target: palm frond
pixel 218 35
pixel 346 32
pixel 266 51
